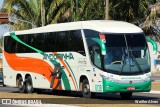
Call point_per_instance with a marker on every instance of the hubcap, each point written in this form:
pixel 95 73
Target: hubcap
pixel 21 84
pixel 86 88
pixel 29 86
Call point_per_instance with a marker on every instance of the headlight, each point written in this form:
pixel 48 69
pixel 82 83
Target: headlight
pixel 110 78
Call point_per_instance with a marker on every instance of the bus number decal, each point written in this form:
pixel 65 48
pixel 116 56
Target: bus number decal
pixel 98 88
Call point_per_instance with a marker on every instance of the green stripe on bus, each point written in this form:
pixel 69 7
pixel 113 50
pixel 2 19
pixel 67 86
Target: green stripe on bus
pixel 64 76
pixel 65 81
pixel 14 36
pixel 72 72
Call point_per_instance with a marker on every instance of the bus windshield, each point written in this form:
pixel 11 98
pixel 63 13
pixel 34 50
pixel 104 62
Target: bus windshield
pixel 126 54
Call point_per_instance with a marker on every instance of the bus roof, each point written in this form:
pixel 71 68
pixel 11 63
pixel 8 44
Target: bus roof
pixel 105 26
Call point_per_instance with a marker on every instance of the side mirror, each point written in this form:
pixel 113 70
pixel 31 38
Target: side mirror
pixel 154 44
pixel 102 45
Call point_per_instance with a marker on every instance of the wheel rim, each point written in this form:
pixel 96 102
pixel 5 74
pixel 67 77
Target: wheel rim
pixel 86 88
pixel 29 86
pixel 21 85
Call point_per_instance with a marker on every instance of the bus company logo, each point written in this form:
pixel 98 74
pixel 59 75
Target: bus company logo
pixel 98 88
pixel 63 56
pixel 130 82
pixel 131 78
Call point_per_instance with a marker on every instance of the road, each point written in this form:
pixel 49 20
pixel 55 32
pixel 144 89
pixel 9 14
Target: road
pixel 76 98
pixel 7 89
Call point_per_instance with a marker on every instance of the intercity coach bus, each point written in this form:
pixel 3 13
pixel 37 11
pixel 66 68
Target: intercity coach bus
pixel 89 56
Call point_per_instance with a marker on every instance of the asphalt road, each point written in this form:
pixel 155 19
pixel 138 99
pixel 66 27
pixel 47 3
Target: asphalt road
pixel 99 99
pixel 7 89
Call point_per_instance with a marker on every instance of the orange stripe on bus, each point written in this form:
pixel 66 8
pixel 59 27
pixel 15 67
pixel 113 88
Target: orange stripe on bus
pixel 38 66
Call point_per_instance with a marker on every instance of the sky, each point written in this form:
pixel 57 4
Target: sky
pixel 3 28
pixel 1 1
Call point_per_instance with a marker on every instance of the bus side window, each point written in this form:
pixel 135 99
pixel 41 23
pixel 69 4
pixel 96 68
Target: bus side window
pixel 7 44
pixel 62 41
pixel 97 56
pixel 50 42
pixel 76 42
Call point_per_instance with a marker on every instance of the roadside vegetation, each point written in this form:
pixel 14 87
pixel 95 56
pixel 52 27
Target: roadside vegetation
pixel 36 13
pixel 155 86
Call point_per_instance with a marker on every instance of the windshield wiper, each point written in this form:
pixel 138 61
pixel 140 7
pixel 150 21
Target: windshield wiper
pixel 125 54
pixel 123 60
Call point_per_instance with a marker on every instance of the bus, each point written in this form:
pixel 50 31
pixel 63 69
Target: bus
pixel 92 57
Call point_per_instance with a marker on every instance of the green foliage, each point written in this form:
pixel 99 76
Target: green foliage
pixel 88 10
pixel 128 10
pixel 37 12
pixel 44 12
pixel 27 10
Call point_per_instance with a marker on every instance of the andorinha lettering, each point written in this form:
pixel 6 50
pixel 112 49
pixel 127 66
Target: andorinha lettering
pixel 58 56
pixel 129 78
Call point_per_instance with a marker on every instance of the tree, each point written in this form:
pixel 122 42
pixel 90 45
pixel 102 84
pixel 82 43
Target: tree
pixel 107 10
pixel 20 9
pixel 128 10
pixel 87 10
pixel 44 12
pixel 38 12
pixel 151 22
pixel 154 12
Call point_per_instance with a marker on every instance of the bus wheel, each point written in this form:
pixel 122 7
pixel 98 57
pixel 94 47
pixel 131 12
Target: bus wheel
pixel 86 89
pixel 21 85
pixel 29 85
pixel 126 95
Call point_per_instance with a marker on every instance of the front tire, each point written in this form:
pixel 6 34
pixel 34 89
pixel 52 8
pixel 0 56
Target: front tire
pixel 126 95
pixel 21 85
pixel 29 85
pixel 86 89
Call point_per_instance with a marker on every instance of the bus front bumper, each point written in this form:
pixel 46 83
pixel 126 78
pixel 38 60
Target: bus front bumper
pixel 113 87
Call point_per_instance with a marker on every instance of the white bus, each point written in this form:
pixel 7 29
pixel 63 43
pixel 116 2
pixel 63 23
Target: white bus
pixel 88 56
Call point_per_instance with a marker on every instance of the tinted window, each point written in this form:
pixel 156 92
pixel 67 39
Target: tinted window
pixel 47 42
pixel 7 44
pixel 62 39
pixel 94 49
pixel 136 40
pixel 90 34
pixel 50 42
pixel 115 40
pixel 76 42
pixel 38 41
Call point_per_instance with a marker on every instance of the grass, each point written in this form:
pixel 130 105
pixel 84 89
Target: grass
pixel 155 86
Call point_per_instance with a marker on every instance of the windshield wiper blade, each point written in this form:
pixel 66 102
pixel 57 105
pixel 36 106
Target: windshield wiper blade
pixel 123 61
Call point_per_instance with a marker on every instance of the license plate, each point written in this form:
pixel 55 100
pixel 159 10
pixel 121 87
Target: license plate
pixel 130 88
